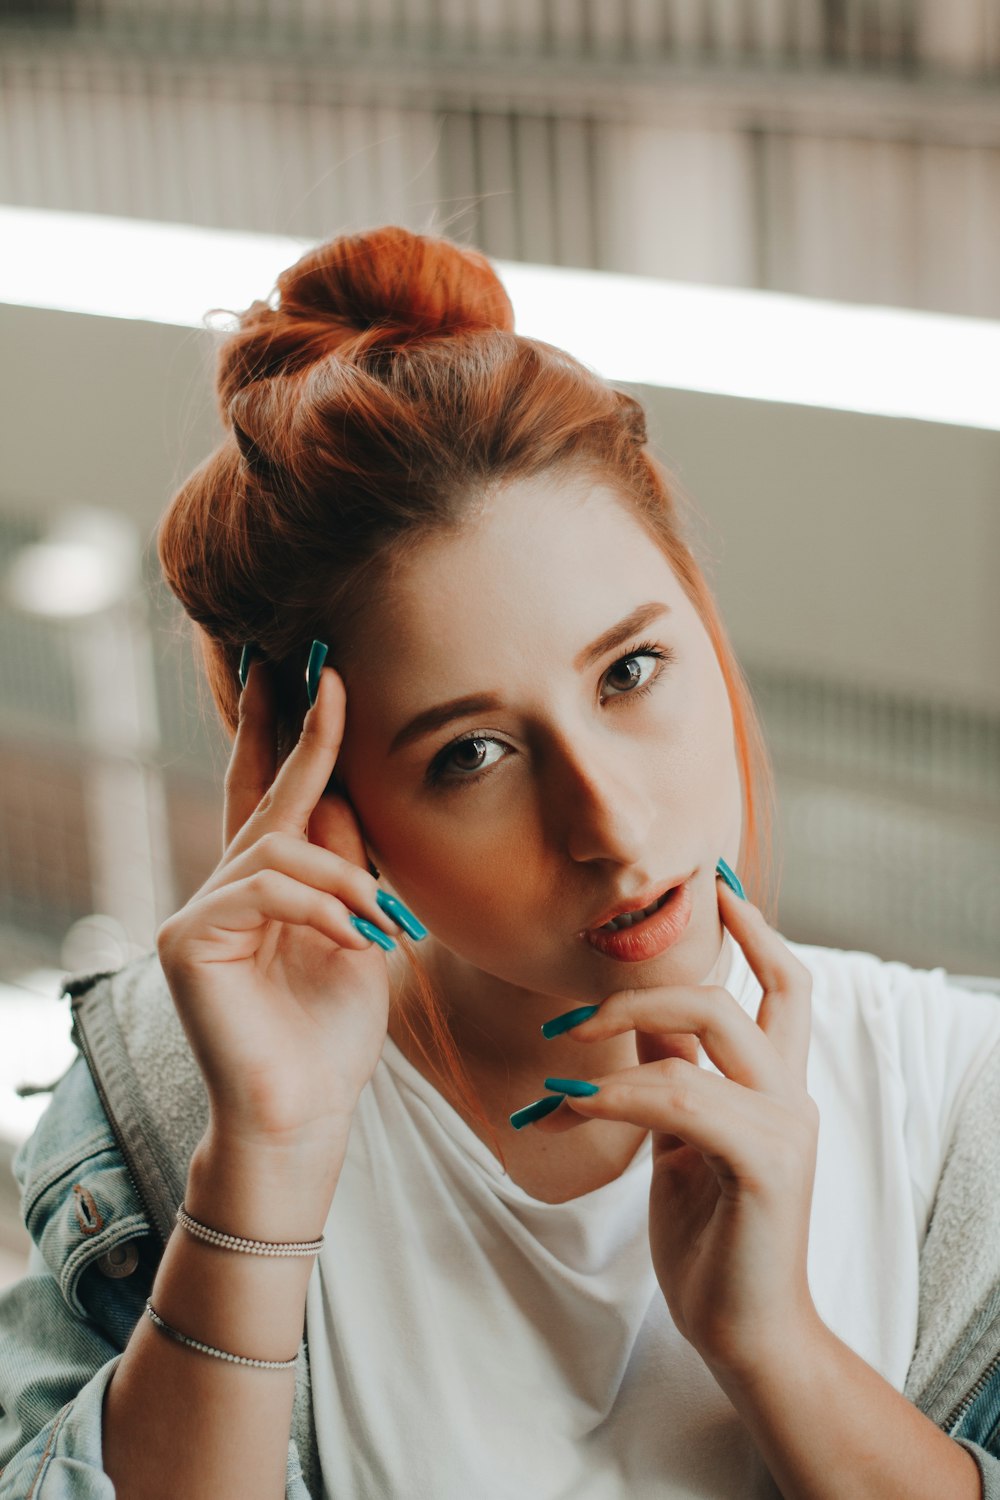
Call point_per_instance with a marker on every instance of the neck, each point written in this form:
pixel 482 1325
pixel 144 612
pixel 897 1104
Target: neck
pixel 496 1028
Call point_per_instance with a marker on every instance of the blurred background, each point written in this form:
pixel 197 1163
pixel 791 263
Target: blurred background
pixel 842 150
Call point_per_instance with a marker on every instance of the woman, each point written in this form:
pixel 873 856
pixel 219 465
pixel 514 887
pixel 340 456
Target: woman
pixel 622 1194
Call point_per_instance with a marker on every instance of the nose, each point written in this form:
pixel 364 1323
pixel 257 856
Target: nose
pixel 602 802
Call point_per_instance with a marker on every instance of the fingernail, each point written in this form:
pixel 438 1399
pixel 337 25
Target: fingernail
pixel 401 915
pixel 372 933
pixel 731 878
pixel 314 667
pixel 568 1020
pixel 246 657
pixel 536 1111
pixel 575 1086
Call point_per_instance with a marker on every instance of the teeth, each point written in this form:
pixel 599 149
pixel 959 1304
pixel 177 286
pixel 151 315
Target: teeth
pixel 628 918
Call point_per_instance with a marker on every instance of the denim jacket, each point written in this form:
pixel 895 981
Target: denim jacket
pixel 103 1174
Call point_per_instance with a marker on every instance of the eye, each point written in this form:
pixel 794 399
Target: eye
pixel 464 759
pixel 637 671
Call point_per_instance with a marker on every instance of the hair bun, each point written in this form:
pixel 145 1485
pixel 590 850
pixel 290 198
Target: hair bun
pixel 381 288
pixel 407 283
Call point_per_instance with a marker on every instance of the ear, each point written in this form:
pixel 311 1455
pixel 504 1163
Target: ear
pixel 333 826
pixel 335 793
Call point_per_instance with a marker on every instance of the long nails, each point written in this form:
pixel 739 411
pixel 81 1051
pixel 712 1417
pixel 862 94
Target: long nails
pixel 372 933
pixel 314 667
pixel 731 878
pixel 536 1111
pixel 401 915
pixel 568 1020
pixel 575 1086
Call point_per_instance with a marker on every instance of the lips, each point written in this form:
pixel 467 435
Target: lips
pixel 642 902
pixel 650 935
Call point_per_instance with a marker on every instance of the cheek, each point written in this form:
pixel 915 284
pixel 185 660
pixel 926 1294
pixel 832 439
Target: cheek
pixel 452 877
pixel 710 750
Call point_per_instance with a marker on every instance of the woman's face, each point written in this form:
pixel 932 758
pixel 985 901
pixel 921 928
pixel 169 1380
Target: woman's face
pixel 597 766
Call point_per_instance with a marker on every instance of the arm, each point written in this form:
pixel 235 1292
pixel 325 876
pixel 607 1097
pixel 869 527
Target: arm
pixel 734 1160
pixel 213 1427
pixel 284 1001
pixel 828 1426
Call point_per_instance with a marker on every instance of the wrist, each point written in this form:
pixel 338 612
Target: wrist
pixel 258 1192
pixel 789 1355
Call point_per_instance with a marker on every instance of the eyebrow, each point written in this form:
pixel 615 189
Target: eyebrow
pixel 479 703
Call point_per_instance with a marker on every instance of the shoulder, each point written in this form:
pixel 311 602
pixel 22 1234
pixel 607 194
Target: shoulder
pixel 80 1204
pixel 106 1165
pixel 914 1013
pixel 149 1082
pixel 902 1050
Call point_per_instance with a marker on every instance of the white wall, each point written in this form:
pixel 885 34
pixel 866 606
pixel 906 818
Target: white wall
pixel 861 547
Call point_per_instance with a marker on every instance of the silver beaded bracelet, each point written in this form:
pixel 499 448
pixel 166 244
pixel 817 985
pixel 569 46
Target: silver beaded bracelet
pixel 245 1246
pixel 233 1359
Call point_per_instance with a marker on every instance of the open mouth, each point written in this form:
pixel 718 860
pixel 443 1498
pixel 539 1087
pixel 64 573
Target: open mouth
pixel 648 931
pixel 629 918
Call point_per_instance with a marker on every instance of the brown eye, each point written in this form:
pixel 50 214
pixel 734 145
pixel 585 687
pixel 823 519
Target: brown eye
pixel 633 672
pixel 630 673
pixel 462 761
pixel 469 755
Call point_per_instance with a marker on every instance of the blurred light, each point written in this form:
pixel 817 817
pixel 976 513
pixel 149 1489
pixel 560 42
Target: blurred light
pixel 37 1049
pixel 764 346
pixel 134 268
pixel 88 562
pixel 96 944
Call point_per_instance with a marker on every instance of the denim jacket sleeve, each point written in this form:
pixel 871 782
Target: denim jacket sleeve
pixel 54 1370
pixel 64 1324
pixel 979 1431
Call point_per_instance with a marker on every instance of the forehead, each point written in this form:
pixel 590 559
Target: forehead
pixel 539 562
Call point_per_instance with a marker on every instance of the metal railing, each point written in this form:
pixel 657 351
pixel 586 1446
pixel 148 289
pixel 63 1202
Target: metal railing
pixel 890 804
pixel 962 36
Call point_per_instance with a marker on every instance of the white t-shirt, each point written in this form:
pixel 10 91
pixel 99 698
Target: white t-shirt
pixel 467 1339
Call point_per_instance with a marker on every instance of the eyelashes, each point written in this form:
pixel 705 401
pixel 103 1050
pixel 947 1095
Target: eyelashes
pixel 442 776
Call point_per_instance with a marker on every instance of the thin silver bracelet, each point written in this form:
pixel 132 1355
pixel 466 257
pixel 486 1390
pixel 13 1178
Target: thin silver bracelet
pixel 233 1359
pixel 245 1246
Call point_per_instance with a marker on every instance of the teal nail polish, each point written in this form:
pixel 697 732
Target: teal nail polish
pixel 401 915
pixel 536 1111
pixel 731 878
pixel 575 1086
pixel 372 933
pixel 568 1020
pixel 246 657
pixel 314 667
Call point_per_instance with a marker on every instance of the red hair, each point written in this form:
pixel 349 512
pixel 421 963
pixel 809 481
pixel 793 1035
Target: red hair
pixel 366 403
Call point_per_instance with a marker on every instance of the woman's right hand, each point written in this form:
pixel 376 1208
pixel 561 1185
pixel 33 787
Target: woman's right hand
pixel 285 1004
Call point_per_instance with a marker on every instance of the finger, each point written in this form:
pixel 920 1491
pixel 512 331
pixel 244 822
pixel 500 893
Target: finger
pixel 312 866
pixel 785 1014
pixel 291 799
pixel 560 1120
pixel 270 896
pixel 736 1129
pixel 736 1046
pixel 253 760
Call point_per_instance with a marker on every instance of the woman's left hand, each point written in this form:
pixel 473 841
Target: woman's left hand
pixel 734 1157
